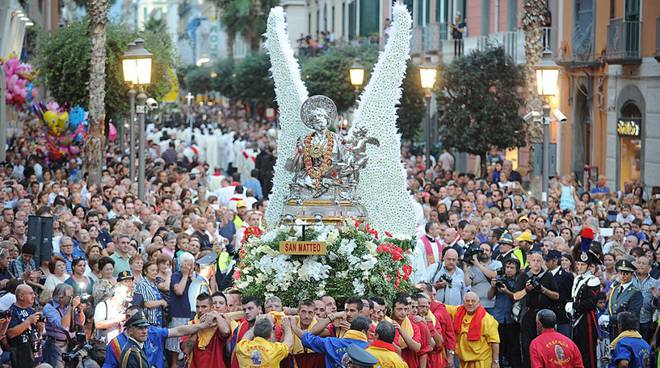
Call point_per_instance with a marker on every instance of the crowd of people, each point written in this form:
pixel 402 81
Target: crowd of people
pixel 500 279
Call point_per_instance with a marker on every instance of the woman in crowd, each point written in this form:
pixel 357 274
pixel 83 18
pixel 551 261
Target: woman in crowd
pixel 82 285
pixel 147 291
pixel 58 275
pixel 136 262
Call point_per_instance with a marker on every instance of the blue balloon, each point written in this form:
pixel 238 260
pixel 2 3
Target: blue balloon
pixel 76 116
pixel 29 92
pixel 78 138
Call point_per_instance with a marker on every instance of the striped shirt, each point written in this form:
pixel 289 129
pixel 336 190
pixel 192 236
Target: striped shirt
pixel 149 292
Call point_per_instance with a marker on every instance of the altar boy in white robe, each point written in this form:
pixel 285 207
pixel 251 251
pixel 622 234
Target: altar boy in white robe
pixel 427 256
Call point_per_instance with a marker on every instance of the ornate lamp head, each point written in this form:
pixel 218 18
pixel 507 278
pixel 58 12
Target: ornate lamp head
pixel 315 108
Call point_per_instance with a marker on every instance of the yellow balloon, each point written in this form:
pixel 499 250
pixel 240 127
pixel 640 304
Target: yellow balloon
pixel 50 117
pixel 62 122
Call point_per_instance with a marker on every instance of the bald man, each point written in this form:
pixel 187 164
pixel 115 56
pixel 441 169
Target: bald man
pixel 477 339
pixel 449 293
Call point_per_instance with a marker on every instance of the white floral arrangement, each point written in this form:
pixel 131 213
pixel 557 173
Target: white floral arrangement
pixel 359 261
pixel 382 184
pixel 291 93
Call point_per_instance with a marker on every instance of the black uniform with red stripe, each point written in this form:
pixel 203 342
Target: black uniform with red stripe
pixel 585 326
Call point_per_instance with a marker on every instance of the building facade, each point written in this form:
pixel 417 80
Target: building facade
pixel 608 75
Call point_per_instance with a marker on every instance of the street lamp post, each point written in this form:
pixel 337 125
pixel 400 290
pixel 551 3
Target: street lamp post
pixel 356 76
pixel 546 85
pixel 427 74
pixel 189 98
pixel 136 65
pixel 131 94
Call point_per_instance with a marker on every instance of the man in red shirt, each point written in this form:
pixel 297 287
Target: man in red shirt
pixel 426 339
pixel 206 348
pixel 552 349
pixel 408 336
pixel 435 355
pixel 446 323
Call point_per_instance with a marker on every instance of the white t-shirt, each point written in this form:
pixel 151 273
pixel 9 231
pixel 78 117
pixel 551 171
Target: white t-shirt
pixel 103 313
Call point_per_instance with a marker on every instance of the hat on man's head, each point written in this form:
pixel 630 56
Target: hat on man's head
pixel 526 236
pixel 626 266
pixel 586 237
pixel 588 257
pixel 552 254
pixel 124 275
pixel 523 218
pixel 139 319
pixel 506 238
pixel 207 259
pixel 360 357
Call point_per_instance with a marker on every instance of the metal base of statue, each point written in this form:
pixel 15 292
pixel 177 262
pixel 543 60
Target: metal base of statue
pixel 329 212
pixel 325 168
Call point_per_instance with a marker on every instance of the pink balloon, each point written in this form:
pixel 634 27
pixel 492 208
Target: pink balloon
pixel 112 133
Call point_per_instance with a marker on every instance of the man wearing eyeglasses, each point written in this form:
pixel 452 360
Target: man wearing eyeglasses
pixel 62 313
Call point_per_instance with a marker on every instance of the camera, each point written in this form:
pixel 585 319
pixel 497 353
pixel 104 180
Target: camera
pixel 152 104
pixel 5 314
pixel 76 353
pixel 471 252
pixel 41 318
pixel 535 281
pixel 500 282
pixel 447 279
pixel 559 116
pixel 85 298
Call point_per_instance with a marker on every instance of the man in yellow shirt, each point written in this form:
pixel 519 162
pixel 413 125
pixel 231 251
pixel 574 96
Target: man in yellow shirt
pixel 383 348
pixel 477 339
pixel 256 351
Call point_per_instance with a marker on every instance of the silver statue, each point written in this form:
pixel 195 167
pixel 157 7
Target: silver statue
pixel 325 163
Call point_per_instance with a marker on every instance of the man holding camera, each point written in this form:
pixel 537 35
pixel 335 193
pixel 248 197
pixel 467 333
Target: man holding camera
pixel 479 270
pixel 537 290
pixel 502 289
pixel 62 313
pixel 449 280
pixel 24 328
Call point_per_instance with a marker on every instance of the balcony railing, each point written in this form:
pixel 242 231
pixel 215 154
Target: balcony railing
pixel 623 42
pixel 512 42
pixel 657 39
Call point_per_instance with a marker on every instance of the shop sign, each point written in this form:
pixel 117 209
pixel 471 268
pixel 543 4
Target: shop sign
pixel 628 127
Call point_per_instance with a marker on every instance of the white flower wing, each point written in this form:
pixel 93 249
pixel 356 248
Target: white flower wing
pixel 382 186
pixel 290 93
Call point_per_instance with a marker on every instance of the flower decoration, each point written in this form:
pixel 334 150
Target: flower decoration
pixel 357 263
pixel 383 182
pixel 291 93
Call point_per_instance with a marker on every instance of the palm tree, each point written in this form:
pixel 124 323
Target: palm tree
pixel 93 149
pixel 246 18
pixel 532 24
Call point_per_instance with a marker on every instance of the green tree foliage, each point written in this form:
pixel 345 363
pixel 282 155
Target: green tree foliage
pixel 480 95
pixel 411 106
pixel 198 80
pixel 155 24
pixel 253 81
pixel 224 82
pixel 63 59
pixel 328 74
pixel 246 18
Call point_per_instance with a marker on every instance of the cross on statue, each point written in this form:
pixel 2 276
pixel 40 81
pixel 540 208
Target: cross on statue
pixel 189 98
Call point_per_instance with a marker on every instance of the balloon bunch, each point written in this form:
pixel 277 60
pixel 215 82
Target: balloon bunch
pixel 19 86
pixel 66 128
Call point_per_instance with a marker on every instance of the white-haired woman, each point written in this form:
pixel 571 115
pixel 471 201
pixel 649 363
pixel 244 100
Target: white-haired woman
pixel 109 312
